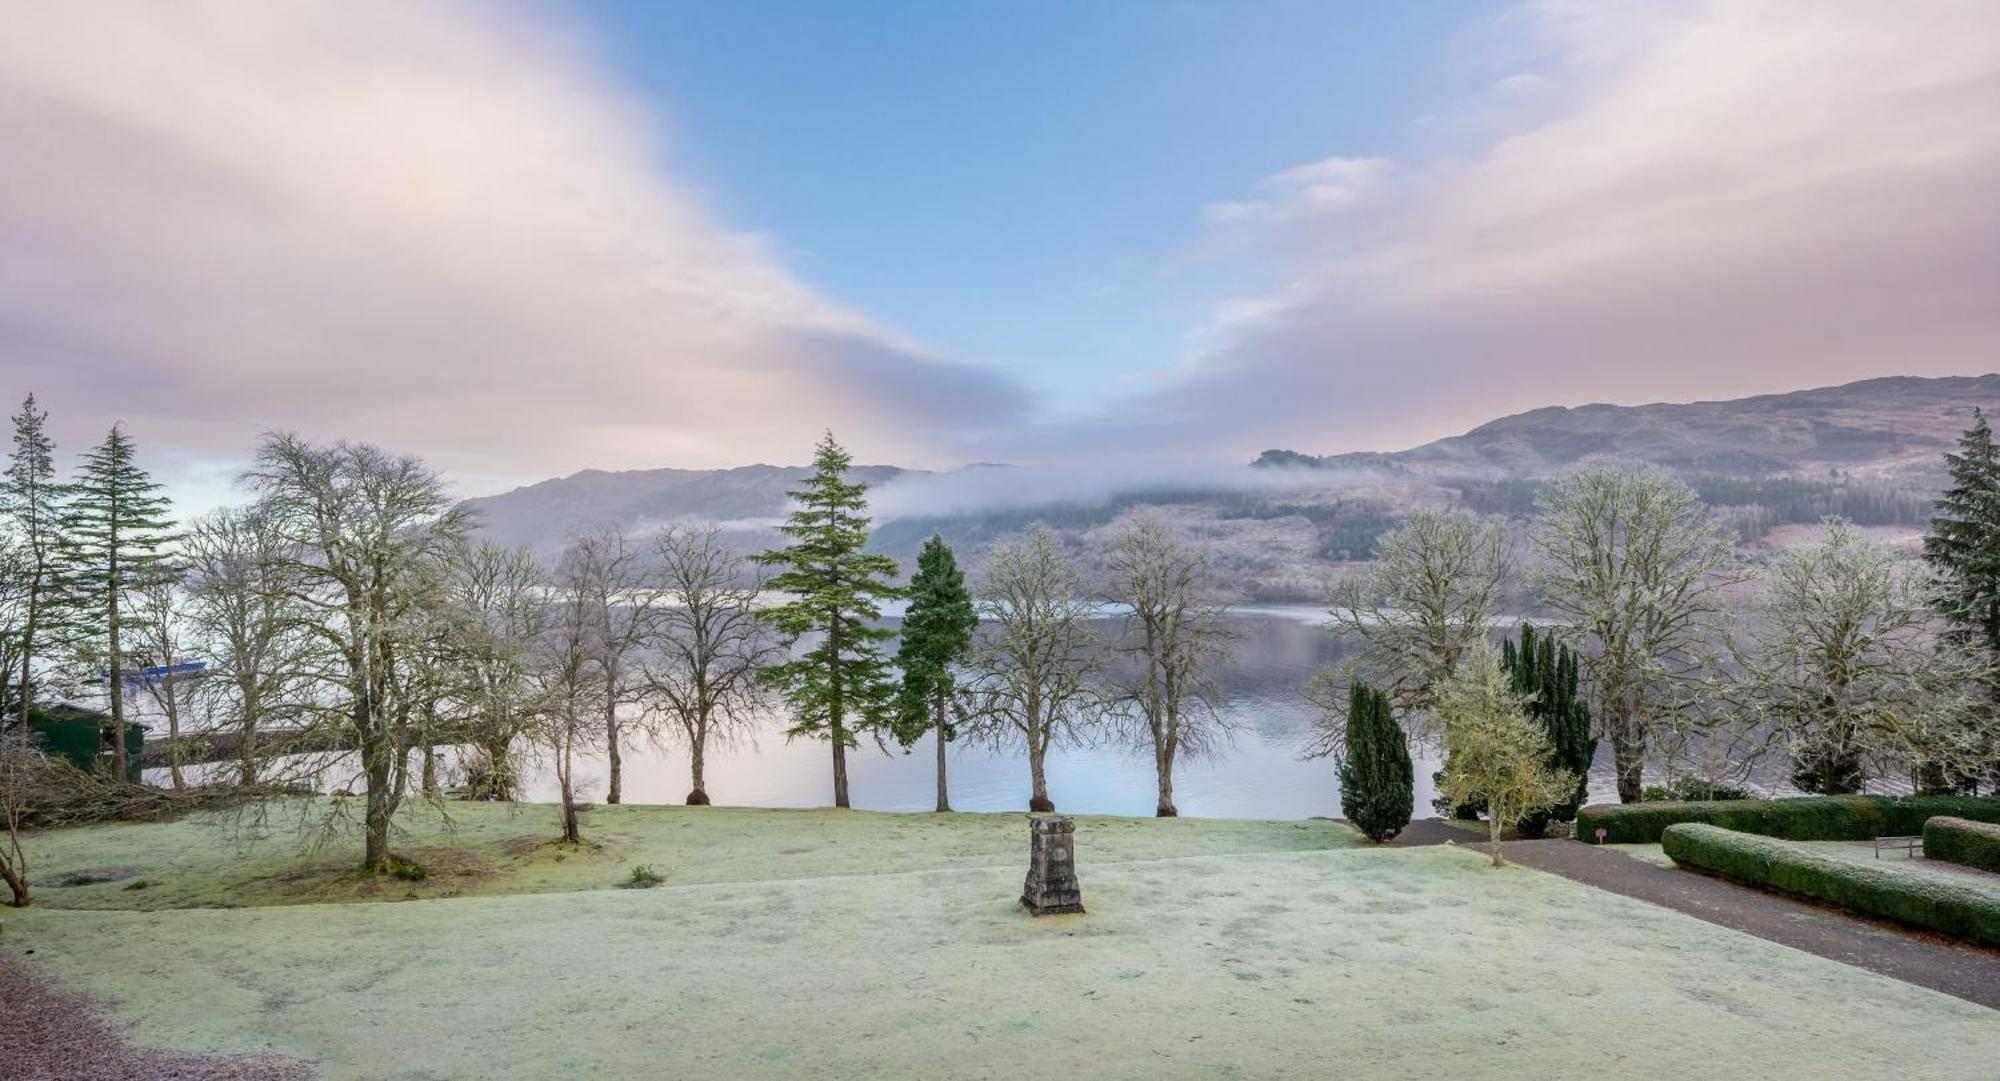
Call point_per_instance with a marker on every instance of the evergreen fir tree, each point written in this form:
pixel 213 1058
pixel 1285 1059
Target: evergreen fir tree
pixel 1377 779
pixel 937 634
pixel 1963 543
pixel 117 532
pixel 32 502
pixel 840 686
pixel 1964 536
pixel 1544 673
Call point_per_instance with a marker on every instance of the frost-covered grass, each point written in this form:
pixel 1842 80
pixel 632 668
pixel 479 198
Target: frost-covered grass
pixel 482 849
pixel 1350 962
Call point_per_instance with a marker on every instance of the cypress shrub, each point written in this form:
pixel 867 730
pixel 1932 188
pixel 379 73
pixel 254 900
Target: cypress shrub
pixel 1377 780
pixel 1805 818
pixel 1893 891
pixel 1543 673
pixel 1961 841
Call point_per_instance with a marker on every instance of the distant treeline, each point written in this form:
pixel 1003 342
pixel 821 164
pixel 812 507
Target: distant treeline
pixel 1778 500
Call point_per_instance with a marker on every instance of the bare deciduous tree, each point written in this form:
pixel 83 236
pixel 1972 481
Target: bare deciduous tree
pixel 1035 668
pixel 160 639
pixel 249 621
pixel 1633 563
pixel 570 679
pixel 1849 669
pixel 624 595
pixel 497 592
pixel 364 537
pixel 702 678
pixel 16 749
pixel 1427 600
pixel 1176 633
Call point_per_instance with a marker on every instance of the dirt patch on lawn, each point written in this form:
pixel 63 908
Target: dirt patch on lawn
pixel 47 1034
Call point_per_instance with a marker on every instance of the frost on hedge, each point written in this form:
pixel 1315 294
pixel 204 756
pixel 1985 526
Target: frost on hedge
pixel 1962 841
pixel 1966 909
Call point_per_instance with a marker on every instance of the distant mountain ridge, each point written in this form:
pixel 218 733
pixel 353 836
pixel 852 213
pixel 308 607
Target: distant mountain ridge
pixel 1892 430
pixel 543 513
pixel 1872 451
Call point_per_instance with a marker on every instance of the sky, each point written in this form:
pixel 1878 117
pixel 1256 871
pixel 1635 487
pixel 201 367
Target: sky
pixel 524 238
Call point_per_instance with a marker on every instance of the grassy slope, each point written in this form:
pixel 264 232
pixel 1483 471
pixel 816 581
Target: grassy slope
pixel 776 951
pixel 220 861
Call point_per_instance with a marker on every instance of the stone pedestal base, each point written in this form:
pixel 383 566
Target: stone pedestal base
pixel 1051 888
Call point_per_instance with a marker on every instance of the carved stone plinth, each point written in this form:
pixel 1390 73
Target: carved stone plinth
pixel 1051 887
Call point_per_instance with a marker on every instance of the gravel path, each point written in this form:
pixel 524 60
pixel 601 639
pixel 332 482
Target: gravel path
pixel 49 1034
pixel 1968 972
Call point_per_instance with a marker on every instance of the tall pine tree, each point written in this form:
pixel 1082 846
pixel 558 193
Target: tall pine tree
pixel 33 502
pixel 117 533
pixel 1963 542
pixel 1543 672
pixel 937 634
pixel 1377 780
pixel 839 686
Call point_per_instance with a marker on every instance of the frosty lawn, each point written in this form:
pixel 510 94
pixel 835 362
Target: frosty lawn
pixel 812 944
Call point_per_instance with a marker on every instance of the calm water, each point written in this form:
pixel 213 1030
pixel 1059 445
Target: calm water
pixel 1259 775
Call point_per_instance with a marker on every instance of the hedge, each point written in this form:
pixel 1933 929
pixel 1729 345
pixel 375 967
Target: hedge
pixel 1803 818
pixel 1974 844
pixel 1968 909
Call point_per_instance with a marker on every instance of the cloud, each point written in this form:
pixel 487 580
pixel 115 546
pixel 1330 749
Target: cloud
pixel 438 226
pixel 1661 202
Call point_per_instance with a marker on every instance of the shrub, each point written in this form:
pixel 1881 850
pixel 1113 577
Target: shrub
pixel 1966 909
pixel 1806 818
pixel 1692 790
pixel 1376 777
pixel 1958 840
pixel 408 870
pixel 643 877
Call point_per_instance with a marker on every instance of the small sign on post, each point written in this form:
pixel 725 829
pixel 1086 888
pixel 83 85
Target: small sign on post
pixel 1601 834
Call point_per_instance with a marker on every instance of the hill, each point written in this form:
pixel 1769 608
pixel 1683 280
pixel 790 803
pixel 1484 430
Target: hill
pixel 1893 430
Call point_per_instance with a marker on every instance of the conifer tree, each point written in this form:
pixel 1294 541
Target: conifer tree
pixel 32 502
pixel 937 635
pixel 1964 536
pixel 1377 789
pixel 117 532
pixel 1544 674
pixel 1963 543
pixel 840 686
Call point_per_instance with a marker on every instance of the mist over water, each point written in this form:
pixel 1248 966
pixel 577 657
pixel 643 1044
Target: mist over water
pixel 1261 774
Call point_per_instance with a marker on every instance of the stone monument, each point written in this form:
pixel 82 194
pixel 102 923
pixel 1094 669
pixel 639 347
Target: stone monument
pixel 1051 887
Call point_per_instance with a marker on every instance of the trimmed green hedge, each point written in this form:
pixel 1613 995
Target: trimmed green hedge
pixel 1958 840
pixel 1805 818
pixel 1967 909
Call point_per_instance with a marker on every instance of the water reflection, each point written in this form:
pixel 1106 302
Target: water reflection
pixel 1260 775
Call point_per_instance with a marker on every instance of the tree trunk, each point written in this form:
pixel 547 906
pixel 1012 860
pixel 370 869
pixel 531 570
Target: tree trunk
pixel 112 662
pixel 611 739
pixel 1163 765
pixel 697 755
pixel 565 767
pixel 944 799
pixel 26 697
pixel 174 752
pixel 1039 800
pixel 1493 835
pixel 247 753
pixel 17 883
pixel 1628 752
pixel 839 766
pixel 430 780
pixel 375 857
